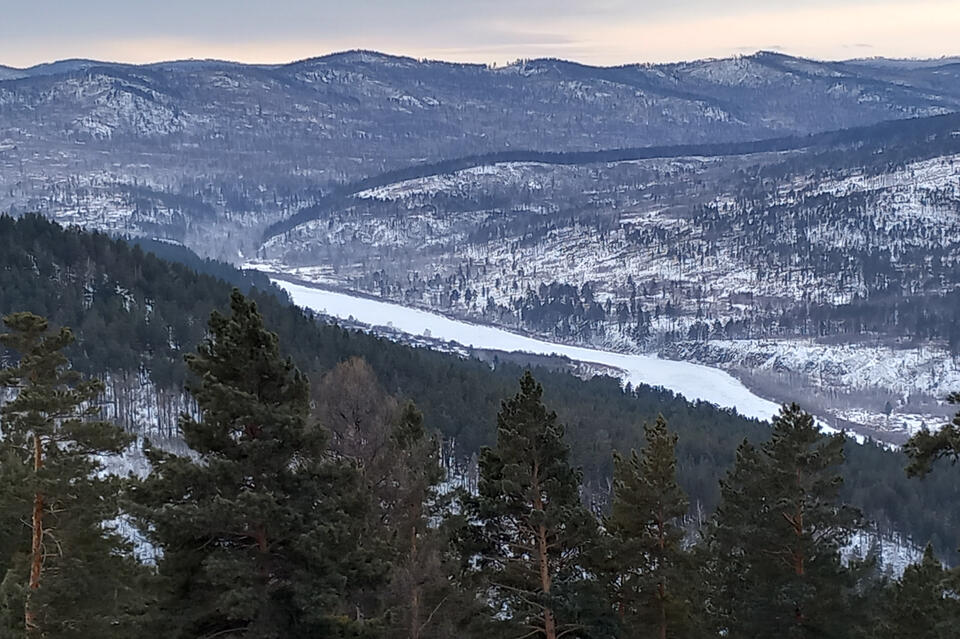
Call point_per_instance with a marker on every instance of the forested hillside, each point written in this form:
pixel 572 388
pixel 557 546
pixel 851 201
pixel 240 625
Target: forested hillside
pixel 136 316
pixel 321 509
pixel 789 220
pixel 815 264
pixel 197 146
pixel 453 437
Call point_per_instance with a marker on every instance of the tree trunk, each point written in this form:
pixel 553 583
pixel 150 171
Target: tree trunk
pixel 415 613
pixel 661 587
pixel 415 588
pixel 798 567
pixel 663 610
pixel 798 564
pixel 36 545
pixel 549 623
pixel 263 557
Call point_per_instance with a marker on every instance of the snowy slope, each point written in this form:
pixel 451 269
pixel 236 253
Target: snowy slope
pixel 740 262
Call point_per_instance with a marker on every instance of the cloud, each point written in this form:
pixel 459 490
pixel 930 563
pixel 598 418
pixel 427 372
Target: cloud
pixel 922 28
pixel 591 31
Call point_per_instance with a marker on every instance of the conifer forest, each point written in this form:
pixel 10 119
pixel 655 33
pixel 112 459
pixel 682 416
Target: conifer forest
pixel 513 319
pixel 324 482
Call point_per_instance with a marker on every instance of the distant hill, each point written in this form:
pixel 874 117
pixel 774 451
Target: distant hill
pixel 188 149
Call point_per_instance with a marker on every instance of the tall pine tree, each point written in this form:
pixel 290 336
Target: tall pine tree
pixel 71 574
pixel 652 578
pixel 726 556
pixel 783 525
pixel 535 532
pixel 256 527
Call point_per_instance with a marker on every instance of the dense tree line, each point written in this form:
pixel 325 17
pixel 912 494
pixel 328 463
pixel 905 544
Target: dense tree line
pixel 325 513
pixel 134 312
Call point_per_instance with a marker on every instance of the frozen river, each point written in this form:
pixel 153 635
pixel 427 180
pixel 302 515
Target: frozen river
pixel 693 381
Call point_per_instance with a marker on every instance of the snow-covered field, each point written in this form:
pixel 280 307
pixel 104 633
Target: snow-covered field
pixel 693 381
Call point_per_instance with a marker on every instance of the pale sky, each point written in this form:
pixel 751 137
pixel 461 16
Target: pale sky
pixel 602 32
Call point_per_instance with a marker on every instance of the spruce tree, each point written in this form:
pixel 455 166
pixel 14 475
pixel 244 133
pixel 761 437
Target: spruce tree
pixel 71 574
pixel 652 579
pixel 535 533
pixel 783 524
pixel 258 527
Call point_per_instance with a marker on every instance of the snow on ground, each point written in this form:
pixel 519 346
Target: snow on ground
pixel 850 382
pixel 902 372
pixel 893 552
pixel 524 173
pixel 693 381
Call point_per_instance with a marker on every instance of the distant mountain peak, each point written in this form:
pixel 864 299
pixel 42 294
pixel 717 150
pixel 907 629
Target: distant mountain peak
pixel 361 56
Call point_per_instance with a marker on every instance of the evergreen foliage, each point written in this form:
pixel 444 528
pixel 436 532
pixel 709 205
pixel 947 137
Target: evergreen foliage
pixel 783 523
pixel 653 580
pixel 136 315
pixel 923 605
pixel 67 574
pixel 535 531
pixel 259 529
pixel 325 512
pixel 925 448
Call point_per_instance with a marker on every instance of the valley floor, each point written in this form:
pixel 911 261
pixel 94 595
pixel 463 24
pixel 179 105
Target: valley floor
pixel 752 376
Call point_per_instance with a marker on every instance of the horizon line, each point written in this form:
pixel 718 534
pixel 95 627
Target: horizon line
pixel 429 60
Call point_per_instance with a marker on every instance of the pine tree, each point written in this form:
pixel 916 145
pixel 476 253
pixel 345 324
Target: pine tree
pixel 804 477
pixel 925 448
pixel 535 532
pixel 725 558
pixel 783 524
pixel 258 528
pixel 923 604
pixel 652 566
pixel 71 575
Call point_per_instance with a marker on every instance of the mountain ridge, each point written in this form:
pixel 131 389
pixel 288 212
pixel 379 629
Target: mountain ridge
pixel 66 65
pixel 200 145
pixel 854 136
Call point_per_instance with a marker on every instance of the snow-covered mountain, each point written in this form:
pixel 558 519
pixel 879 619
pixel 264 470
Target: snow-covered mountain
pixel 183 149
pixel 675 208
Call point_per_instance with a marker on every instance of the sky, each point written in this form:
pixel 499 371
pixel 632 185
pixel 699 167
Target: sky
pixel 601 32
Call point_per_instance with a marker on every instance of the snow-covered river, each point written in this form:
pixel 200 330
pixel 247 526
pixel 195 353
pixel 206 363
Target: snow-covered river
pixel 693 381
